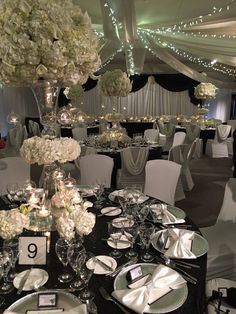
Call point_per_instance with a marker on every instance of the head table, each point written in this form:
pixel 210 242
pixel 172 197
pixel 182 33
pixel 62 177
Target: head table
pixel 93 243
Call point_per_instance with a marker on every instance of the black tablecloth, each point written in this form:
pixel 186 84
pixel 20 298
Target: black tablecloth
pixel 93 243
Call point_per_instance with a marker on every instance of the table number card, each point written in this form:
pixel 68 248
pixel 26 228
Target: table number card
pixel 33 250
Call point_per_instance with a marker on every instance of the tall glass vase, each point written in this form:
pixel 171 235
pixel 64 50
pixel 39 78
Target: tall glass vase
pixel 46 95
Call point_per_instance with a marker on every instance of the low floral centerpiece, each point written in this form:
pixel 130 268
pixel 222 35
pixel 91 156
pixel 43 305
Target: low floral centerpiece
pixel 115 83
pixel 114 135
pixel 71 215
pixel 114 117
pixel 43 150
pixel 12 223
pixel 205 91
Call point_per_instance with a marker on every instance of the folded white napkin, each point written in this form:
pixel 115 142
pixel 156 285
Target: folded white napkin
pixel 180 243
pixel 162 212
pixel 163 280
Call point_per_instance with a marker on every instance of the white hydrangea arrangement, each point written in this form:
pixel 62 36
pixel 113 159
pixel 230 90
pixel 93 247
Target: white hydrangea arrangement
pixel 42 150
pixel 73 92
pixel 205 90
pixel 115 83
pixel 12 223
pixel 114 117
pixel 46 39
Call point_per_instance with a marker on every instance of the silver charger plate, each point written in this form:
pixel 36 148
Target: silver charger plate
pixel 165 304
pixel 177 212
pixel 65 300
pixel 199 244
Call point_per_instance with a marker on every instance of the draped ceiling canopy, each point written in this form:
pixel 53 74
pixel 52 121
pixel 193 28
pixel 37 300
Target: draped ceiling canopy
pixel 195 38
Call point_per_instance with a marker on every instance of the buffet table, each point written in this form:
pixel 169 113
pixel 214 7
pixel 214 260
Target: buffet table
pixel 196 293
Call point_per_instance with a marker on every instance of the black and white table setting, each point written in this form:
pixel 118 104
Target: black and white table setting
pixel 164 272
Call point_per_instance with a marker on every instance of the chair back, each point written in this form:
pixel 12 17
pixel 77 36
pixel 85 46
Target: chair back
pixel 192 132
pixel 34 128
pixel 179 153
pixel 96 168
pixel 222 133
pixel 179 138
pixel 228 208
pixel 161 177
pixel 151 135
pixel 13 170
pixel 133 160
pixel 233 125
pixel 79 134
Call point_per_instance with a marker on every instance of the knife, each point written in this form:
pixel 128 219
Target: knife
pixel 104 265
pixel 108 212
pixel 23 281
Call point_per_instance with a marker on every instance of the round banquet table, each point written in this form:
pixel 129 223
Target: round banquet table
pixel 196 293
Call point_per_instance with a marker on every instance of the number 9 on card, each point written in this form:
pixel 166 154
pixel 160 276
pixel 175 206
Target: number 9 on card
pixel 33 250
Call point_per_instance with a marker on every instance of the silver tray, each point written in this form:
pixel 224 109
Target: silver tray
pixel 177 212
pixel 199 244
pixel 65 300
pixel 165 304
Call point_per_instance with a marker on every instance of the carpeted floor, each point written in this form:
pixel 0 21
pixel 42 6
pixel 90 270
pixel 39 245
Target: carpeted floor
pixel 203 203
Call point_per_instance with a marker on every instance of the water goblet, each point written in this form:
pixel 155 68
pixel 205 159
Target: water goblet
pixel 131 232
pixel 146 230
pixel 142 212
pixel 61 248
pixel 12 188
pixel 12 245
pixel 6 262
pixel 115 235
pixel 76 257
pixel 98 191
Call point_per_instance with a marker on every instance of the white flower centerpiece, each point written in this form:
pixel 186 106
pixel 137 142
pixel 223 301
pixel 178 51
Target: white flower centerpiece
pixel 50 40
pixel 12 223
pixel 205 91
pixel 43 150
pixel 70 212
pixel 115 83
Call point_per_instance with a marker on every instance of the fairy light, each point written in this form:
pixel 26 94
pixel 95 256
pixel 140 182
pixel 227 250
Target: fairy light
pixel 130 60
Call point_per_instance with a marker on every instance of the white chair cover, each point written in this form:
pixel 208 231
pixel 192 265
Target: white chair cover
pixel 192 132
pixel 228 208
pixel 179 138
pixel 15 138
pixel 79 134
pixel 96 168
pixel 133 161
pixel 221 257
pixel 218 147
pixel 161 177
pixel 151 135
pixel 13 170
pixel 167 129
pixel 34 128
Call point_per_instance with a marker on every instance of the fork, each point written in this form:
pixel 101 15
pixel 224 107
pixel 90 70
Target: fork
pixel 107 297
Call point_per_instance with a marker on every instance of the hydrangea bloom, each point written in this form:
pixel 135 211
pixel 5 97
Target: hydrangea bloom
pixel 205 90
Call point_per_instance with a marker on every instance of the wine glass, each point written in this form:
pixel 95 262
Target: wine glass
pixel 86 273
pixel 142 212
pixel 61 248
pixel 146 230
pixel 98 191
pixel 13 245
pixel 76 257
pixel 115 234
pixel 6 262
pixel 131 232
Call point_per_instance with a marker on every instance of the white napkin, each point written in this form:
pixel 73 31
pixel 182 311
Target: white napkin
pixel 180 243
pixel 164 279
pixel 165 215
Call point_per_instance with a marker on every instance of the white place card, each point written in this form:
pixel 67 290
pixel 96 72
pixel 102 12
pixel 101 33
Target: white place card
pixel 33 250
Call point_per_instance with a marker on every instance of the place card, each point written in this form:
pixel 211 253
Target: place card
pixel 33 250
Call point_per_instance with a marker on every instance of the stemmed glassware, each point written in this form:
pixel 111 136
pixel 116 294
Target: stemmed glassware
pixel 12 246
pixel 76 257
pixel 87 271
pixel 142 212
pixel 146 230
pixel 98 190
pixel 131 232
pixel 115 234
pixel 6 262
pixel 61 248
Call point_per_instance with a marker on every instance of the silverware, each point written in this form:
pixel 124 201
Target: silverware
pixel 119 241
pixel 110 211
pixel 119 268
pixel 23 281
pixel 101 263
pixel 107 297
pixel 182 263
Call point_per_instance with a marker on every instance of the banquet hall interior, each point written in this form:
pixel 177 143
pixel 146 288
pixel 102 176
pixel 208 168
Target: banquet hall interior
pixel 117 156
